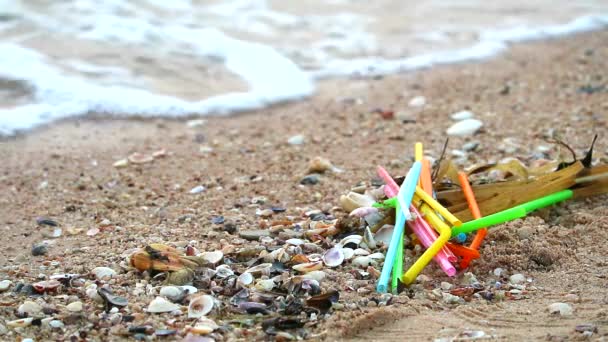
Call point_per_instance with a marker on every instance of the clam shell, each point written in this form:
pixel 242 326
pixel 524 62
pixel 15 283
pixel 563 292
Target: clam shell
pixel 295 242
pixel 47 285
pixel 213 257
pixel 349 253
pixel 351 239
pixel 308 266
pixel 29 308
pixel 299 259
pixel 333 257
pixel 245 279
pixel 112 299
pixel 360 251
pixel 5 284
pixel 20 323
pixel 315 275
pixel 354 200
pixel 376 256
pixel 279 254
pixel 200 306
pixel 384 234
pixel 172 293
pixel 223 271
pixel 261 269
pixel 315 257
pixel 362 261
pixel 204 326
pixel 160 305
pixel 103 272
pixel 265 284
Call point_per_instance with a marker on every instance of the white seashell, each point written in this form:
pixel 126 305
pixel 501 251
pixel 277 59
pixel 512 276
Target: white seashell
pixel 364 211
pixel 376 256
pixel 204 326
pixel 261 269
pixel 279 254
pixel 121 163
pixel 265 284
pixel 56 324
pixel 295 242
pixel 103 272
pixel 29 308
pixel 361 251
pixel 417 101
pixel 200 306
pixel 349 253
pixel 5 285
pixel 462 115
pixel 355 239
pixel 191 289
pixel 315 257
pixel 212 257
pixel 384 234
pixel 354 200
pixel 245 279
pixel 75 306
pixel 223 271
pixel 160 305
pixel 92 293
pixel 172 293
pixel 315 275
pixel 362 261
pixel 464 127
pixel 20 323
pixel 308 266
pixel 333 257
pixel 368 238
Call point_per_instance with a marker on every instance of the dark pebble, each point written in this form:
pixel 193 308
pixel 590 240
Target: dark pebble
pixel 311 179
pixel 40 249
pixel 230 228
pixel 217 219
pixel 142 329
pixel 165 332
pixel 43 221
pixel 318 217
pixel 253 235
pixel 278 209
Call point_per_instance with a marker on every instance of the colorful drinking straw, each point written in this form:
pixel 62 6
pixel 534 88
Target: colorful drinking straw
pixel 513 213
pixel 444 235
pixel 406 192
pixel 474 208
pixel 441 210
pixel 425 177
pixel 398 265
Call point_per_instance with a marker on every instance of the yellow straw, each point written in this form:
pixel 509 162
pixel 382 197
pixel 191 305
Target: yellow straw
pixel 418 151
pixel 453 220
pixel 444 235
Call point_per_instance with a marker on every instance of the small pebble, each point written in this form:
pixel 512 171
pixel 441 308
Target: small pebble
pixel 499 272
pixel 446 286
pixel 462 115
pixel 296 140
pixel 40 249
pixel 5 285
pixel 464 127
pixel 56 324
pixel 121 163
pixel 197 189
pixel 253 235
pixel 417 101
pixel 562 309
pixel 517 278
pixel 310 179
pixel 74 306
pixel 217 219
pixel 470 146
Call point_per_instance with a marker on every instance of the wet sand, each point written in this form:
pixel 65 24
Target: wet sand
pixel 65 172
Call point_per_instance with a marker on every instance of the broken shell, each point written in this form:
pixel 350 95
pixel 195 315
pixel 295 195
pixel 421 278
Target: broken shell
pixel 253 308
pixel 348 253
pixel 5 284
pixel 160 305
pixel 320 165
pixel 384 234
pixel 324 301
pixel 223 271
pixel 368 238
pixel 20 323
pixel 139 158
pixel 308 266
pixel 245 279
pixel 44 286
pixel 299 259
pixel 190 289
pixel 360 251
pixel 315 275
pixel 200 306
pixel 92 293
pixel 279 254
pixel 295 242
pixel 351 239
pixel 112 299
pixel 333 257
pixel 261 269
pixel 212 257
pixel 354 200
pixel 376 256
pixel 364 211
pixel 29 308
pixel 265 284
pixel 103 272
pixel 204 326
pixel 362 261
pixel 75 306
pixel 173 293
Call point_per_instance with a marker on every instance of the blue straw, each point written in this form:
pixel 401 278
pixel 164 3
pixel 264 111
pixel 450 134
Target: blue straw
pixel 406 193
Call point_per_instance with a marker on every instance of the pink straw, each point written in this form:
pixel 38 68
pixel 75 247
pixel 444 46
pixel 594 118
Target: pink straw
pixel 426 235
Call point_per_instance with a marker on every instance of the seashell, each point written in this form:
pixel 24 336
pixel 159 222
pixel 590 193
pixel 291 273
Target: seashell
pixel 348 253
pixel 295 242
pixel 363 211
pixel 299 259
pixel 173 293
pixel 103 272
pixel 253 308
pixel 320 165
pixel 29 308
pixel 111 299
pixel 75 306
pixel 121 163
pixel 354 200
pixel 351 239
pixel 315 275
pixel 360 251
pixel 368 238
pixel 223 271
pixel 384 234
pixel 308 266
pixel 265 284
pixel 139 158
pixel 261 269
pixel 279 254
pixel 200 306
pixel 362 261
pixel 160 305
pixel 5 285
pixel 245 279
pixel 323 302
pixel 44 286
pixel 204 326
pixel 333 257
pixel 376 256
pixel 92 293
pixel 212 257
pixel 315 257
pixel 20 323
pixel 190 289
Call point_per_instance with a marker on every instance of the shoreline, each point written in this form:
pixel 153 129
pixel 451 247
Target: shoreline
pixel 64 172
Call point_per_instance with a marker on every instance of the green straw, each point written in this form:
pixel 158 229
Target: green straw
pixel 386 204
pixel 397 266
pixel 512 213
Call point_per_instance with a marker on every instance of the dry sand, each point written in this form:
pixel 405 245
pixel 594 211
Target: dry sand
pixel 65 172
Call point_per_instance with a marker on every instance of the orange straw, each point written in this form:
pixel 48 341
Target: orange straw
pixel 474 208
pixel 426 182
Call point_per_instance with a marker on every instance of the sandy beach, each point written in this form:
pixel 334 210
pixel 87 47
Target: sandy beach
pixel 536 90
